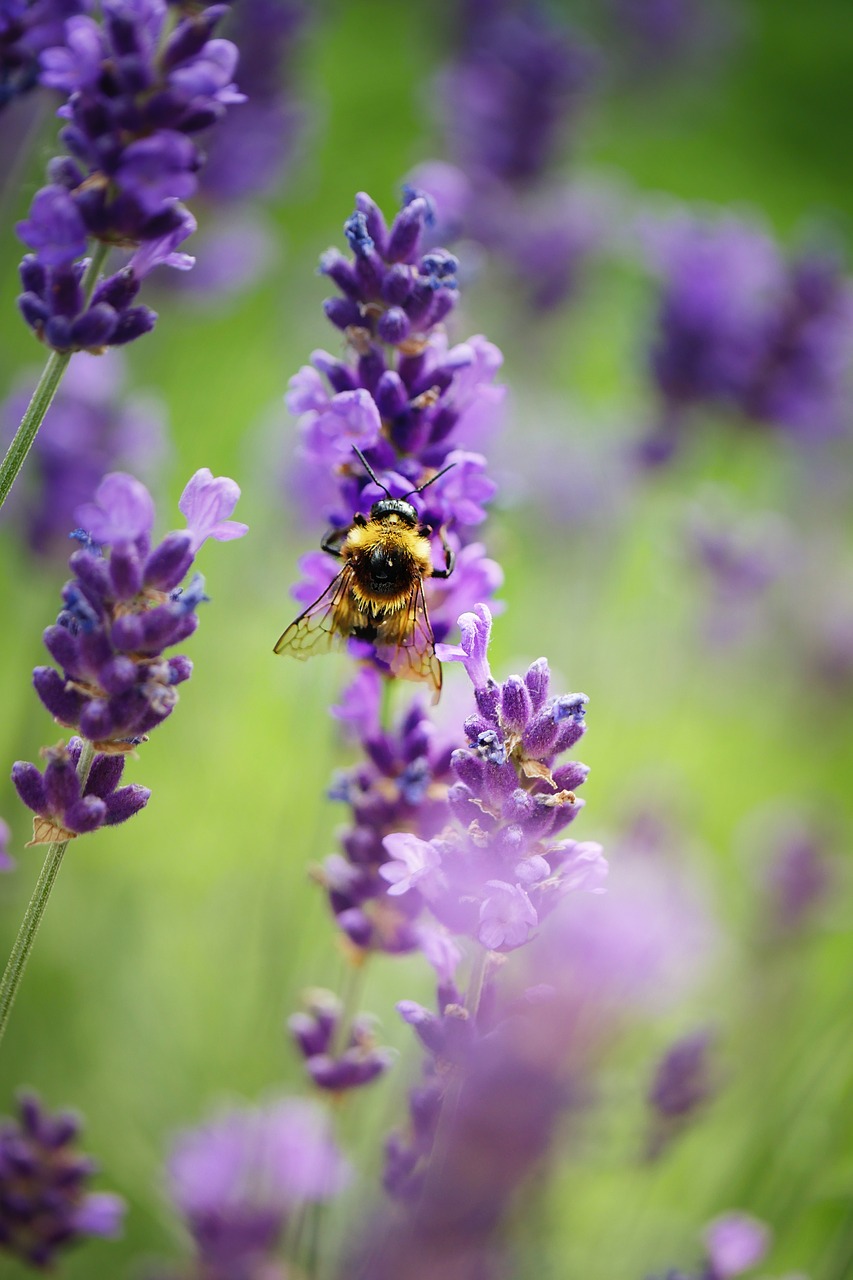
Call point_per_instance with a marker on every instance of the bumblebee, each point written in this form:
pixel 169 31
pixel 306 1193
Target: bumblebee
pixel 378 595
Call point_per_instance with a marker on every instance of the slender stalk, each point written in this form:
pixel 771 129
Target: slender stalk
pixel 48 384
pixel 34 912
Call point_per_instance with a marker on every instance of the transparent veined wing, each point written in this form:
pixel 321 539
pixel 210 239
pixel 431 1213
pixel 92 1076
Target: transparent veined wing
pixel 325 624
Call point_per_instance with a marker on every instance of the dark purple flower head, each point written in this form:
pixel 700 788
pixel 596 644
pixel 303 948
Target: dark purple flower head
pixel 93 425
pixel 54 305
pixel 44 1203
pixel 122 610
pixel 684 1080
pixel 239 1180
pixel 337 1058
pixel 63 810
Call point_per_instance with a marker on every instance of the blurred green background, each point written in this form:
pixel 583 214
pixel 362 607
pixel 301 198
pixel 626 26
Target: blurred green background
pixel 174 948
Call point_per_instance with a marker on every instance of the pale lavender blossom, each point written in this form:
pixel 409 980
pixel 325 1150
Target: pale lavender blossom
pixel 207 502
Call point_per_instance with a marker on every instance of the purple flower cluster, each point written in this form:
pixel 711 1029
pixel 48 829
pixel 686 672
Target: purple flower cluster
pixel 27 28
pixel 400 785
pixel 509 104
pixel 123 610
pixel 411 403
pixel 500 869
pixel 742 330
pixel 63 809
pixel 337 1057
pixel 249 152
pixel 454 1178
pixel 139 90
pixel 241 1179
pixel 44 1202
pixel 94 425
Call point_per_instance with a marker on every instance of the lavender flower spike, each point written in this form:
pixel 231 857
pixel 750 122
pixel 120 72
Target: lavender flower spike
pixel 44 1203
pixel 239 1180
pixel 122 610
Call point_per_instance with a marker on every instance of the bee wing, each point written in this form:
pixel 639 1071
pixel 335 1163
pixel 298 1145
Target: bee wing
pixel 408 637
pixel 324 625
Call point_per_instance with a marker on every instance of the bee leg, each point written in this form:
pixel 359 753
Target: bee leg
pixel 449 558
pixel 333 541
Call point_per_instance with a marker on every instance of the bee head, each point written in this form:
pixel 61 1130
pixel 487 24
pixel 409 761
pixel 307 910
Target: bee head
pixel 394 507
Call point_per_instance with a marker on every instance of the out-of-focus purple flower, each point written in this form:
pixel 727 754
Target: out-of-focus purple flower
pixel 249 152
pixel 735 1242
pixel 92 425
pixel 740 557
pixel 740 329
pixel 63 809
pixel 27 28
pixel 643 945
pixel 120 613
pixel 7 862
pixel 798 877
pixel 510 97
pixel 683 1082
pixel 238 1180
pixel 45 1206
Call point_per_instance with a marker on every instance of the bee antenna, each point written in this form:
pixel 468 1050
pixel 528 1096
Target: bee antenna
pixel 371 472
pixel 431 480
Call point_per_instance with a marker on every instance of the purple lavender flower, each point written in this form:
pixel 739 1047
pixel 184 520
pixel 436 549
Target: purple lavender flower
pixel 7 862
pixel 44 1204
pixel 62 810
pixel 735 1243
pixel 92 425
pixel 337 1062
pixel 409 401
pixel 501 869
pixel 27 28
pixel 509 97
pixel 239 1180
pixel 683 1082
pixel 741 330
pixel 122 611
pixel 400 786
pixel 509 104
pixel 138 93
pixel 454 1183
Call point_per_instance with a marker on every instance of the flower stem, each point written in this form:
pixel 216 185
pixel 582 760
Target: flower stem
pixel 48 383
pixel 34 912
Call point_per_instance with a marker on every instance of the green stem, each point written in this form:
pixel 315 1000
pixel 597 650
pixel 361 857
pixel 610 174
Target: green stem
pixel 48 383
pixel 32 917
